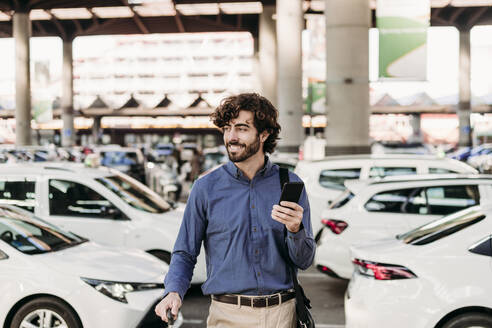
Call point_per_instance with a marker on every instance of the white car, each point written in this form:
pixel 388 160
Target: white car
pixel 51 278
pixel 101 204
pixel 324 178
pixel 438 275
pixel 385 207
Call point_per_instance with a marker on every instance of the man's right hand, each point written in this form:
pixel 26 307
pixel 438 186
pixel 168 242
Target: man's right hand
pixel 171 301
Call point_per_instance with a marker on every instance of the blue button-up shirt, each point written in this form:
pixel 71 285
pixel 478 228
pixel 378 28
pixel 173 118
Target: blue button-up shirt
pixel 245 248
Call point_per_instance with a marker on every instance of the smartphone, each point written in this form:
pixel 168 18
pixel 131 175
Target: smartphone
pixel 291 192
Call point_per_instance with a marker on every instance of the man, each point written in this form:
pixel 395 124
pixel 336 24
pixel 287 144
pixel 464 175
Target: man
pixel 233 210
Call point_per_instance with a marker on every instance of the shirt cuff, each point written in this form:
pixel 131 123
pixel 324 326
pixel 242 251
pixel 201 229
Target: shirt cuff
pixel 175 289
pixel 301 234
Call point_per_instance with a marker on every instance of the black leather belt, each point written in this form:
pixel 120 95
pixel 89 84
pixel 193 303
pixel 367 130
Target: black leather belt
pixel 254 301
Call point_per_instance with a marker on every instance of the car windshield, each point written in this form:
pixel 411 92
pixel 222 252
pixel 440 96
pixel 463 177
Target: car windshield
pixel 30 235
pixel 135 194
pixel 443 227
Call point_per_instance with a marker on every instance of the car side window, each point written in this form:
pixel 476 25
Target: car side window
pixel 70 198
pixel 411 200
pixel 334 179
pixel 438 170
pixel 482 247
pixel 445 200
pixel 381 171
pixel 19 193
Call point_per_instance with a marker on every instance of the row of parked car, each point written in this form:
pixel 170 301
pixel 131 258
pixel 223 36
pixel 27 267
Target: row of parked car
pixel 413 233
pixel 353 199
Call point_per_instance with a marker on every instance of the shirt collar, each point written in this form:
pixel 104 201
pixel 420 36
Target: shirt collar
pixel 237 173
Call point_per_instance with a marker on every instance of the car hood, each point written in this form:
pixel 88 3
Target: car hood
pixel 91 260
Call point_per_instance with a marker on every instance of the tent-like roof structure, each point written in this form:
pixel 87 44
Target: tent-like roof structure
pixel 71 18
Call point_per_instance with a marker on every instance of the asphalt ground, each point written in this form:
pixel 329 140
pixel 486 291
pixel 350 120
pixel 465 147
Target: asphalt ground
pixel 326 296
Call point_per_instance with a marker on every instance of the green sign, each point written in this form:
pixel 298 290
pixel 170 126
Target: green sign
pixel 402 26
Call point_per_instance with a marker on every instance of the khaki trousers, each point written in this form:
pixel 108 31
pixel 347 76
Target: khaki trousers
pixel 223 315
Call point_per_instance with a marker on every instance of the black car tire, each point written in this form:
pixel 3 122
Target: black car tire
pixel 468 320
pixel 47 303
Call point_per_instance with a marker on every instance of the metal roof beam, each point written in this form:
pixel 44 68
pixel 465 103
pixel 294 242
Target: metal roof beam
pixel 58 25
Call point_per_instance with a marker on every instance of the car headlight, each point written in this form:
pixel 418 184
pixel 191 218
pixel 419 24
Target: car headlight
pixel 118 290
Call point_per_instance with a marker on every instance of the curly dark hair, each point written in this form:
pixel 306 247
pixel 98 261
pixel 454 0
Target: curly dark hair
pixel 265 115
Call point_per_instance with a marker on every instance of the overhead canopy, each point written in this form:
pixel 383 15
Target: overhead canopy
pixel 71 18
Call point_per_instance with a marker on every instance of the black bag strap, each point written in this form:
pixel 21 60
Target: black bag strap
pixel 301 300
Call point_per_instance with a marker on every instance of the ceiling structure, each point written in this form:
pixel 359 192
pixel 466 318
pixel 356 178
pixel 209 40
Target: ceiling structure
pixel 71 18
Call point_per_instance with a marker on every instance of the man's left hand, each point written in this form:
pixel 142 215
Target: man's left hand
pixel 290 214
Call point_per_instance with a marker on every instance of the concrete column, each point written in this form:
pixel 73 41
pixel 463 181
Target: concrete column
pixel 268 54
pixel 289 74
pixel 347 76
pixel 68 132
pixel 415 123
pixel 22 34
pixel 464 106
pixel 96 130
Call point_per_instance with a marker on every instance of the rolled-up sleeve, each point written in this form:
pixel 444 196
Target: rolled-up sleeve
pixel 301 244
pixel 188 244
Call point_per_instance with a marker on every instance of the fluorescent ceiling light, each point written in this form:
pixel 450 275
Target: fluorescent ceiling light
pixel 471 3
pixel 39 14
pixel 112 12
pixel 242 7
pixel 4 17
pixel 439 3
pixel 71 13
pixel 155 9
pixel 198 9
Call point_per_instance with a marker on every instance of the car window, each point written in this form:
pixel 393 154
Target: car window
pixel 443 227
pixel 3 256
pixel 342 199
pixel 70 198
pixel 444 200
pixel 19 193
pixel 411 200
pixel 438 170
pixel 32 236
pixel 381 171
pixel 482 247
pixel 334 179
pixel 135 194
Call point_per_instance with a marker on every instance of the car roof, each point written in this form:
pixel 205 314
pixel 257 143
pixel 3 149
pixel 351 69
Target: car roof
pixel 357 185
pixel 55 167
pixel 377 156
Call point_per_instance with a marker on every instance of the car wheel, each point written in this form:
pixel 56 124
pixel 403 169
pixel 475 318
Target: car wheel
pixel 45 312
pixel 470 320
pixel 162 255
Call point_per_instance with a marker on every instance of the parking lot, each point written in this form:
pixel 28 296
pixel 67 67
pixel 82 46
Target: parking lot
pixel 326 295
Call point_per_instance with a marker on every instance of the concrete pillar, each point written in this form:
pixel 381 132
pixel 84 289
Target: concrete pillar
pixel 268 54
pixel 96 130
pixel 464 106
pixel 290 23
pixel 22 34
pixel 415 123
pixel 68 132
pixel 347 76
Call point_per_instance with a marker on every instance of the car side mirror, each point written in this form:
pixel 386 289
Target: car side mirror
pixel 3 256
pixel 330 202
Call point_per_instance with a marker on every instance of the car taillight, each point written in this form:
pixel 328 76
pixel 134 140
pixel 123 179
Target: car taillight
pixel 382 271
pixel 336 226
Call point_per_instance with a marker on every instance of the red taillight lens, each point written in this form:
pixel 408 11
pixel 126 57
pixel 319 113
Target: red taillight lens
pixel 382 271
pixel 336 226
